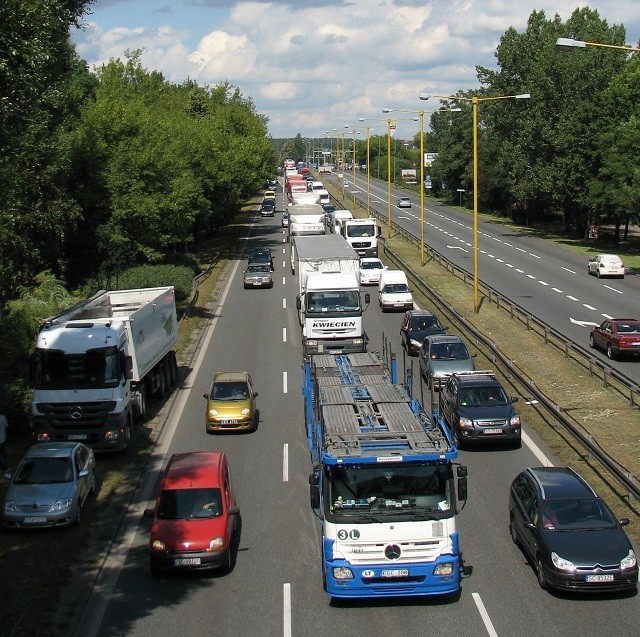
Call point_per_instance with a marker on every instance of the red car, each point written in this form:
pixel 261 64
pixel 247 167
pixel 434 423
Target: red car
pixel 617 336
pixel 195 514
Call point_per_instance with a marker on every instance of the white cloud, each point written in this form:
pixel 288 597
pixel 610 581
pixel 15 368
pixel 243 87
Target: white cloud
pixel 313 67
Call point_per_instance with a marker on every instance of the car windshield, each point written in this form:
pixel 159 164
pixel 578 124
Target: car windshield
pixel 423 323
pixel 489 396
pixel 181 504
pixel 258 268
pixel 576 514
pixel 361 231
pixel 448 351
pixel 45 471
pixel 230 391
pixel 390 288
pixel 387 491
pixel 342 301
pixel 371 265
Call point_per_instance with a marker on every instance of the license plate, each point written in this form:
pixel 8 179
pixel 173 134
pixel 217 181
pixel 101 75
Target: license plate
pixel 77 437
pixel 35 519
pixel 257 283
pixel 187 561
pixel 395 572
pixel 599 578
pixel 493 430
pixel 229 422
pixel 398 305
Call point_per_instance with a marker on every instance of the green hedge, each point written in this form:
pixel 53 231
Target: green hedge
pixel 153 276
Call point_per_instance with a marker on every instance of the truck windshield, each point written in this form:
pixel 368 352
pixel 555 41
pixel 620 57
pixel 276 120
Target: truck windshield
pixel 332 302
pixel 361 231
pixel 93 369
pixel 388 491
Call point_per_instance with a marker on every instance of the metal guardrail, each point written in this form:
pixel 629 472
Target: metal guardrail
pixel 195 292
pixel 551 336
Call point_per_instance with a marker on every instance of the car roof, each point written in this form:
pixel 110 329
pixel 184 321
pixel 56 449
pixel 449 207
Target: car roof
pixel 52 450
pixel 613 257
pixel 370 259
pixel 414 313
pixel 193 470
pixel 443 338
pixel 230 377
pixel 560 482
pixel 476 379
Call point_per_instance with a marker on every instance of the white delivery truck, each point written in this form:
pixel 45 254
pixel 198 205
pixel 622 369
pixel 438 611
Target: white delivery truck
pixel 328 301
pixel 306 219
pixel 95 364
pixel 362 235
pixel 393 291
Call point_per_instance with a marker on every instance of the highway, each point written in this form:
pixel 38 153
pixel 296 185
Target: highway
pixel 548 281
pixel 275 586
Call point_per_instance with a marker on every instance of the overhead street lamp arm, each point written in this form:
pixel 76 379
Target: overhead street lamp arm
pixel 568 44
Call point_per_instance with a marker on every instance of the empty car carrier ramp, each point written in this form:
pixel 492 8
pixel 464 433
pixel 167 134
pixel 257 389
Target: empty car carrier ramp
pixel 365 413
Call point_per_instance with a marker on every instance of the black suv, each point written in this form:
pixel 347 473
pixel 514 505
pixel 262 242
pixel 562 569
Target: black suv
pixel 416 325
pixel 477 409
pixel 569 534
pixel 260 256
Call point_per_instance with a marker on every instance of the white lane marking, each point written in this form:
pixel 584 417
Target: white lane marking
pixel 590 307
pixel 286 609
pixel 519 270
pixel 457 248
pixel 530 276
pixel 535 256
pixel 612 289
pixel 499 260
pixel 484 615
pixel 542 283
pixel 284 303
pixel 509 265
pixel 582 323
pixel 285 462
pixel 557 290
pixel 284 264
pixel 607 316
pixel 283 280
pixel 537 452
pixel 567 270
pixel 520 249
pixel 284 334
pixel 508 244
pixel 284 383
pixel 572 298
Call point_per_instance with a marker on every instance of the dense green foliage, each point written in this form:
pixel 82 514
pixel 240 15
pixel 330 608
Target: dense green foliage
pixel 566 152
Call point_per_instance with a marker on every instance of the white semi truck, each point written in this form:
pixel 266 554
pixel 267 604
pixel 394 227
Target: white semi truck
pixel 95 364
pixel 328 302
pixel 362 235
pixel 306 219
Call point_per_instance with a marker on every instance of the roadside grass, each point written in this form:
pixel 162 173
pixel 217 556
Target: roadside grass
pixel 38 565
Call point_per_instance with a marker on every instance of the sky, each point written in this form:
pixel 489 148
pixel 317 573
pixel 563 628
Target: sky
pixel 319 67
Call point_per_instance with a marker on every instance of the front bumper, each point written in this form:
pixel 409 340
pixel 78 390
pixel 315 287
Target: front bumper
pixel 197 561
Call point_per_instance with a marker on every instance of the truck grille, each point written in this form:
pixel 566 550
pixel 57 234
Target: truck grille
pixel 75 415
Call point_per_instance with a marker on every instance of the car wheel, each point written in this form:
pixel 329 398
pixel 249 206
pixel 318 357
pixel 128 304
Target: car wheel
pixel 610 353
pixel 141 414
pixel 592 342
pixel 542 581
pixel 92 485
pixel 512 531
pixel 78 515
pixel 598 272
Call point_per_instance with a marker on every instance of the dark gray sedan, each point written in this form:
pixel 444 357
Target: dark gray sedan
pixel 257 276
pixel 50 486
pixel 442 355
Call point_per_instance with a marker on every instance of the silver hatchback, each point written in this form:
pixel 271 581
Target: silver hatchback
pixel 442 355
pixel 50 486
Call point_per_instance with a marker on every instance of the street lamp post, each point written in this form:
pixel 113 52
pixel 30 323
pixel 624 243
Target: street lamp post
pixel 568 44
pixel 475 100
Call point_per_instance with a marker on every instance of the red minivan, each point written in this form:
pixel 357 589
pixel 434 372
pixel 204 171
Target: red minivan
pixel 195 514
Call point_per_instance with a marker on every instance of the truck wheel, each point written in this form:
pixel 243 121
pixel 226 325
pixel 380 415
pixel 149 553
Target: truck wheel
pixel 141 414
pixel 166 372
pixel 161 388
pixel 173 369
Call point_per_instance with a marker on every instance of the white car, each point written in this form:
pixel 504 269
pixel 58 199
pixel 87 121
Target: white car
pixel 370 270
pixel 404 202
pixel 606 265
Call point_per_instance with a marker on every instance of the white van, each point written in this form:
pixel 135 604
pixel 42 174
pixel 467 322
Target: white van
pixel 393 291
pixel 323 196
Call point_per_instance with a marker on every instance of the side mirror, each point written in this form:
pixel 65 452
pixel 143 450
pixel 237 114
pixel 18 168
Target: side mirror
pixel 314 497
pixel 205 396
pixel 514 399
pixel 234 510
pixel 462 489
pixel 128 367
pixel 298 303
pixel 255 394
pixel 148 513
pixel 367 298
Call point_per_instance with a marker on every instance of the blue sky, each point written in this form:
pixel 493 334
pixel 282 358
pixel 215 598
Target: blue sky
pixel 317 66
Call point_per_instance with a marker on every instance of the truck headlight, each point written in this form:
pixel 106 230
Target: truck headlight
pixel 443 569
pixel 43 436
pixel 112 434
pixel 342 572
pixel 10 505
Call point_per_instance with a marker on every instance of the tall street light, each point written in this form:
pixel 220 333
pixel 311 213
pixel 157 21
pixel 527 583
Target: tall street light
pixel 353 165
pixel 475 100
pixel 421 117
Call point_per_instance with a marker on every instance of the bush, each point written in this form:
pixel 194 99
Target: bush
pixel 153 276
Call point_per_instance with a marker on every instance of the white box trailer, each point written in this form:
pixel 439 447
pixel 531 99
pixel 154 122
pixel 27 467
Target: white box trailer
pixel 306 219
pixel 328 302
pixel 95 364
